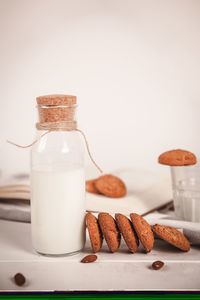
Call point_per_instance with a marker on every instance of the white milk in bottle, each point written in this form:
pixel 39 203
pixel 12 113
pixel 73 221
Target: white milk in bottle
pixel 57 179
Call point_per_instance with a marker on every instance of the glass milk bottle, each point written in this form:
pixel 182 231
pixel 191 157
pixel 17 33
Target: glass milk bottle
pixel 57 179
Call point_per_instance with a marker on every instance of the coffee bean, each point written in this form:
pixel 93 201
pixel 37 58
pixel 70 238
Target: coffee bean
pixel 157 265
pixel 19 279
pixel 89 258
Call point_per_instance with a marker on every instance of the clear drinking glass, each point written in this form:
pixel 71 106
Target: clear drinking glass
pixel 186 192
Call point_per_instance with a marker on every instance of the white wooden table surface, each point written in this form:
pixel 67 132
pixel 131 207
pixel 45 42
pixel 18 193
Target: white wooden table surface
pixel 119 271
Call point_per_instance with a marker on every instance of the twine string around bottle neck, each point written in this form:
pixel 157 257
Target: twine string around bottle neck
pixel 58 126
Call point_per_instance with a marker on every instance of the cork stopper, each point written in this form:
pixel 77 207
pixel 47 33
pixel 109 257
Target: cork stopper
pixel 56 108
pixel 53 100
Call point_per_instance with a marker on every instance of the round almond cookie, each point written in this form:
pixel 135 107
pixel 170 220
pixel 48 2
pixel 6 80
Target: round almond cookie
pixel 126 228
pixel 95 234
pixel 172 236
pixel 143 230
pixel 90 186
pixel 110 186
pixel 110 231
pixel 177 157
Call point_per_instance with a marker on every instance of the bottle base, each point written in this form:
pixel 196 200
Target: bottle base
pixel 59 255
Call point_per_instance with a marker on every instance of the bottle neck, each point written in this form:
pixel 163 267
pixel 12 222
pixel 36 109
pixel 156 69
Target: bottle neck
pixel 57 126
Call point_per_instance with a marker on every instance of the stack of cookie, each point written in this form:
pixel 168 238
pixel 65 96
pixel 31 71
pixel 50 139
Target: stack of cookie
pixel 133 230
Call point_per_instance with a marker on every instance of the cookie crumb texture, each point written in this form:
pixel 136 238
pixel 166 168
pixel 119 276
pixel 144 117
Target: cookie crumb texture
pixel 110 186
pixel 143 230
pixel 172 236
pixel 95 234
pixel 89 259
pixel 110 231
pixel 177 157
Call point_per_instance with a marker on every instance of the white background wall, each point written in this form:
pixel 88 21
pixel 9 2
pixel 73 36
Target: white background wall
pixel 134 65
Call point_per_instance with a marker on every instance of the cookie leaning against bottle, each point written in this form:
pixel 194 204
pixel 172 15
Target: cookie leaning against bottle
pixel 144 232
pixel 95 234
pixel 110 231
pixel 128 232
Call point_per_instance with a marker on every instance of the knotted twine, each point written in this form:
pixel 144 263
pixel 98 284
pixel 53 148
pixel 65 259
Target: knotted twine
pixel 58 126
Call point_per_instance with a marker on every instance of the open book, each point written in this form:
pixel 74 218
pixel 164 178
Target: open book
pixel 147 191
pixel 16 186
